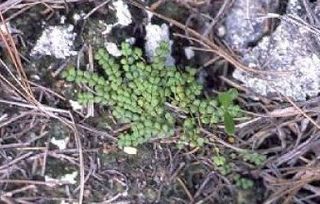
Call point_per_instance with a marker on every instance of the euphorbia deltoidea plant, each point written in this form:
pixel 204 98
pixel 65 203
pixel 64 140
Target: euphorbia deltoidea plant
pixel 153 98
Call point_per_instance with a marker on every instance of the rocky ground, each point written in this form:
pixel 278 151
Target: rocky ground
pixel 54 151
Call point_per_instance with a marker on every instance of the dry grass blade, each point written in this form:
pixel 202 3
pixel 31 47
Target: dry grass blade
pixel 47 183
pixel 221 141
pixel 290 187
pixel 52 112
pixel 303 112
pixel 24 90
pixel 22 79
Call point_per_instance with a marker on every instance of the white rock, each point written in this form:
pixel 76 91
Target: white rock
pixel 130 150
pixel 221 31
pixel 189 53
pixel 60 143
pixel 113 49
pixel 70 178
pixel 108 29
pixel 77 17
pixel 35 77
pixel 124 17
pixel 63 19
pixel 75 105
pixel 49 179
pixel 122 12
pixel 131 40
pixel 55 41
pixel 155 34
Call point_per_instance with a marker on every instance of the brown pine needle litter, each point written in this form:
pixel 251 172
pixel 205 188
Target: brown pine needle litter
pixel 32 113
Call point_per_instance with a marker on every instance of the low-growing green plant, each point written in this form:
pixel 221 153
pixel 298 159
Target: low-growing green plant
pixel 226 101
pixel 152 97
pixel 243 183
pixel 253 157
pixel 222 165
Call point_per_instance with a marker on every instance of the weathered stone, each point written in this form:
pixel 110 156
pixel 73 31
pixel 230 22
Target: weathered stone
pixel 55 41
pixel 289 54
pixel 243 25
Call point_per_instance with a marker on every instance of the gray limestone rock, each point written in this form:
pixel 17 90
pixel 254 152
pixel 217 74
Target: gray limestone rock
pixel 243 25
pixel 290 54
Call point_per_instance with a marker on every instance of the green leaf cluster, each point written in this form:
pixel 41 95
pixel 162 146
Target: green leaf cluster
pixel 222 165
pixel 151 96
pixel 254 158
pixel 229 110
pixel 243 183
pixel 191 134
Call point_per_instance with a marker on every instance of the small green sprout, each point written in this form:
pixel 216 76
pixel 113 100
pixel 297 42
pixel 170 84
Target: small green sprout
pixel 229 109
